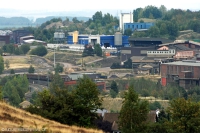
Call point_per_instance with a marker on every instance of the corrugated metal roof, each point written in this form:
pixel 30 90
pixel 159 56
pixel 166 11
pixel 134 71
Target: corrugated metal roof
pixel 184 63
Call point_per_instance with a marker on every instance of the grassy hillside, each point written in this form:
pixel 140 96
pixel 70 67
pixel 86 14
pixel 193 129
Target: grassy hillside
pixel 14 119
pixel 190 35
pixel 115 104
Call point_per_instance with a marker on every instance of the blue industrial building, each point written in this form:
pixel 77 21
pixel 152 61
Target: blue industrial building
pixel 137 26
pixel 107 41
pixel 103 40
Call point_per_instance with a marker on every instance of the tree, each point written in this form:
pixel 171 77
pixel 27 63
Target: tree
pixel 163 9
pixel 128 32
pixel 88 51
pixel 58 68
pixel 135 15
pixel 1 94
pixel 113 94
pixel 31 69
pixel 115 65
pixel 15 89
pixel 40 51
pixel 25 48
pixel 128 63
pixel 87 101
pixel 56 83
pixel 152 12
pixel 154 31
pixel 114 87
pixel 184 115
pixel 163 29
pixel 98 50
pixel 12 71
pixel 7 63
pixel 1 64
pixel 133 113
pixel 75 20
pixel 76 107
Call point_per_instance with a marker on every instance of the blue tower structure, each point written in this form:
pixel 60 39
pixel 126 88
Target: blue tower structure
pixel 70 40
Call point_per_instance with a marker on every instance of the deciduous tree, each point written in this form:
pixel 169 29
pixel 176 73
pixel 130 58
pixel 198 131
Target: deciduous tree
pixel 1 64
pixel 185 116
pixel 133 113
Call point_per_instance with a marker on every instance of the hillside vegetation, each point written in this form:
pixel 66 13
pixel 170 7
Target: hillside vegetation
pixel 13 119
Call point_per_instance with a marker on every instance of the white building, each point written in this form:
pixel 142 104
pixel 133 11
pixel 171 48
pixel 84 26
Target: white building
pixel 125 18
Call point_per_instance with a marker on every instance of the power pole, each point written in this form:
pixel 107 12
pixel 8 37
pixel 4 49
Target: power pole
pixel 54 58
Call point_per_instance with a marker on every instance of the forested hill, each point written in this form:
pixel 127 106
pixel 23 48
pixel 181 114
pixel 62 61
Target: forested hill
pixel 25 21
pixel 43 20
pixel 14 21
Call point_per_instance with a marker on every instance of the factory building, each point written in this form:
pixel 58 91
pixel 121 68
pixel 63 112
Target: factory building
pixel 185 73
pixel 125 18
pixel 138 26
pixel 59 37
pixel 126 22
pixel 117 40
pixel 4 39
pixel 19 33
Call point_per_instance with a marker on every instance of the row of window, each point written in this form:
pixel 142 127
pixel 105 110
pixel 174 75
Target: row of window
pixel 179 69
pixel 150 52
pixel 133 26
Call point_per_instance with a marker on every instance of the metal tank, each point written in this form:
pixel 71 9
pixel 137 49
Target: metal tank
pixel 118 39
pixel 56 35
pixel 61 35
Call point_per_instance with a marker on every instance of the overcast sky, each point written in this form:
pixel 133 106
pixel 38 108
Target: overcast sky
pixel 77 5
pixel 42 8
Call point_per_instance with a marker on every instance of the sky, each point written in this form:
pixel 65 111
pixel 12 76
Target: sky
pixel 93 5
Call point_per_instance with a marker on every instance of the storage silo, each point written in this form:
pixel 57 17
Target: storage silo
pixel 62 35
pixel 118 39
pixel 75 37
pixel 56 35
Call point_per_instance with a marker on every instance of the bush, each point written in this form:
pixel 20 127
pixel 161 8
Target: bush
pixel 154 105
pixel 115 66
pixel 40 51
pixel 31 69
pixel 12 71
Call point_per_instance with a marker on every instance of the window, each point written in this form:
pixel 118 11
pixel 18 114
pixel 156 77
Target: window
pixel 133 26
pixel 128 26
pixel 141 26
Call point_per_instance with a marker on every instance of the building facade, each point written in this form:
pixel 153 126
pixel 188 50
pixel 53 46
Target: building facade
pixel 125 18
pixel 103 40
pixel 185 73
pixel 4 39
pixel 138 26
pixel 19 33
